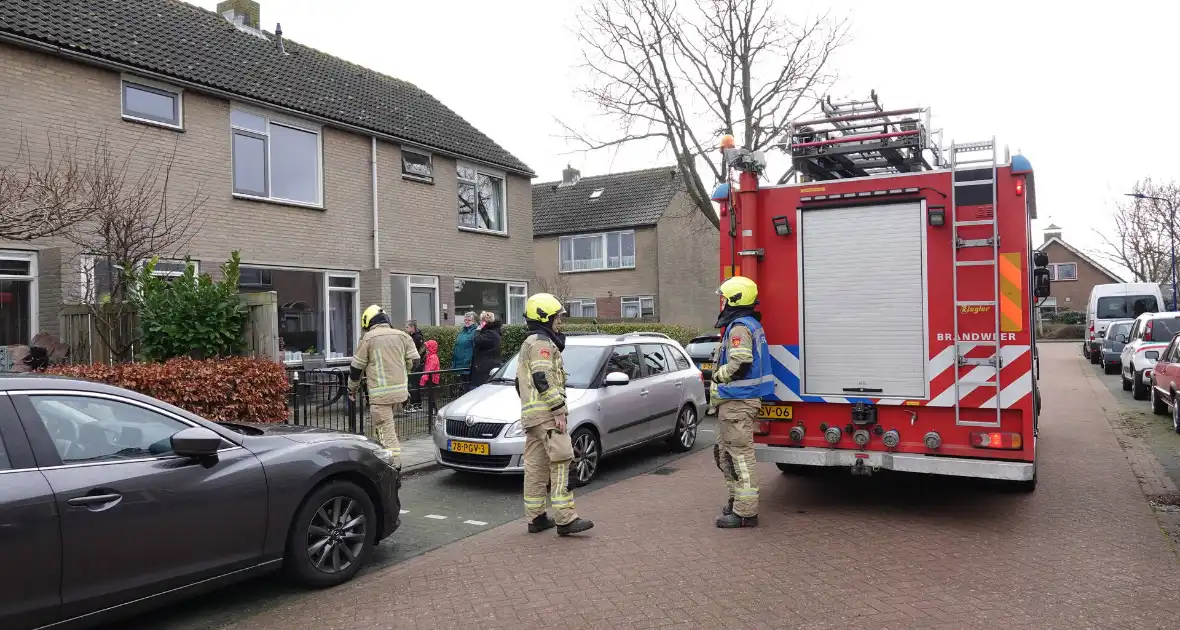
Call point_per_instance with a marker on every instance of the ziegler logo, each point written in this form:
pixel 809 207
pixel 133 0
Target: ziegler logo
pixel 974 310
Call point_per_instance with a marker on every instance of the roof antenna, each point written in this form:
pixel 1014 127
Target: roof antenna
pixel 279 36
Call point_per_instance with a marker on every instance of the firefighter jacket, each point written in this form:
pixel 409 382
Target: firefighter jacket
pixel 744 372
pixel 384 357
pixel 540 380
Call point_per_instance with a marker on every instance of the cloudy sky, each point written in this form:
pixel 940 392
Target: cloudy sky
pixel 1085 92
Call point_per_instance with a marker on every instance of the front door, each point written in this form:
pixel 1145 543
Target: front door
pixel 623 408
pixel 137 520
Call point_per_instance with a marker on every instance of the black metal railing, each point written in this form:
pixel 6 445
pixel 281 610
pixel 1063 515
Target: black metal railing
pixel 319 398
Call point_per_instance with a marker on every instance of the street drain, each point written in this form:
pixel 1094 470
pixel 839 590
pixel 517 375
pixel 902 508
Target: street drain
pixel 666 470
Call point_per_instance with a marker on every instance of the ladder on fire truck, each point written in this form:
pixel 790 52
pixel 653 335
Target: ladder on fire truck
pixel 974 172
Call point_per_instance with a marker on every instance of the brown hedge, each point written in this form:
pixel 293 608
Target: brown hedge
pixel 240 389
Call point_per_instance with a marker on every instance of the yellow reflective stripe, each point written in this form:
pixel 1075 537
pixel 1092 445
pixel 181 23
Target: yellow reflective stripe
pixel 380 364
pixel 541 364
pixel 387 389
pixel 741 354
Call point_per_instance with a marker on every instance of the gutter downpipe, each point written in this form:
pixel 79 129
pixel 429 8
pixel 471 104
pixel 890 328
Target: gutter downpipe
pixel 376 212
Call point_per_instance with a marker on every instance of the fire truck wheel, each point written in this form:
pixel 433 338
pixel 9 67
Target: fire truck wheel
pixel 1138 389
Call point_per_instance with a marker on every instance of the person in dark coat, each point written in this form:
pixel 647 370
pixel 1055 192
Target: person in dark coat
pixel 420 344
pixel 486 358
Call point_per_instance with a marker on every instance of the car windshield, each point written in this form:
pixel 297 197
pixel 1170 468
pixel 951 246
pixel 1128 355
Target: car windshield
pixel 581 366
pixel 1124 306
pixel 702 347
pixel 1164 329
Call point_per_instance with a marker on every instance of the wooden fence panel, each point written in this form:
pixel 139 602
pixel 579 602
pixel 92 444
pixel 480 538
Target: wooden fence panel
pixel 262 329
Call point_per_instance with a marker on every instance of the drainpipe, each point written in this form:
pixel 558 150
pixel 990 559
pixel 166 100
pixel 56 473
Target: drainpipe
pixel 376 213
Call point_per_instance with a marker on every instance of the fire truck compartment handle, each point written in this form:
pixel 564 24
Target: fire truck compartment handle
pixel 864 390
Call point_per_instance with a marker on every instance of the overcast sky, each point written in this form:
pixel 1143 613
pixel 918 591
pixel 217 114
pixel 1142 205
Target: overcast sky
pixel 1076 87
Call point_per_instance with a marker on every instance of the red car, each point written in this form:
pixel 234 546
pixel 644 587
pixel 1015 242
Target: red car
pixel 1165 382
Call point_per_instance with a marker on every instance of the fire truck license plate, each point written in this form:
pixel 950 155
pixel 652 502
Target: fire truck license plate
pixel 471 448
pixel 775 412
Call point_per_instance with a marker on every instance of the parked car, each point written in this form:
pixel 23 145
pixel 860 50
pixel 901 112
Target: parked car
pixel 1149 335
pixel 1116 336
pixel 1165 383
pixel 1115 301
pixel 701 350
pixel 111 501
pixel 621 392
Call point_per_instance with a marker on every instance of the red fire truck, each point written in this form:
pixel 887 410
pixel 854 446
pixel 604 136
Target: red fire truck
pixel 897 285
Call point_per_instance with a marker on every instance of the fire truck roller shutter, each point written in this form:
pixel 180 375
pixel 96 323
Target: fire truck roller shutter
pixel 864 301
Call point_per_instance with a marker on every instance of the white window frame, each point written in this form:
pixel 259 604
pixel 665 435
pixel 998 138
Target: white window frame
pixel 481 170
pixel 151 86
pixel 355 289
pixel 282 121
pixel 521 290
pixel 581 304
pixel 1053 275
pixel 636 300
pixel 429 160
pixel 33 278
pixel 86 273
pixel 605 260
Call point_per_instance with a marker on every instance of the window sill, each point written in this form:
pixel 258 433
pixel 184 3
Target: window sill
pixel 280 202
pixel 479 231
pixel 631 268
pixel 420 180
pixel 153 123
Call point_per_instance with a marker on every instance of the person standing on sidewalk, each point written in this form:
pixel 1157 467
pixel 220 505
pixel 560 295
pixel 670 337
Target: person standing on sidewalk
pixel 430 379
pixel 741 379
pixel 383 358
pixel 464 348
pixel 487 349
pixel 419 345
pixel 548 451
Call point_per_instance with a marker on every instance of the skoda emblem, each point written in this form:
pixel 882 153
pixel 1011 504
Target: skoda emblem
pixel 470 421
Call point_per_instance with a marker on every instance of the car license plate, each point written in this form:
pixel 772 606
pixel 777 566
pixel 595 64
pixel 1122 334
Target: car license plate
pixel 471 448
pixel 707 366
pixel 775 412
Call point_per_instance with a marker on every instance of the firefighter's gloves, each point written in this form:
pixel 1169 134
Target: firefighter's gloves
pixel 560 420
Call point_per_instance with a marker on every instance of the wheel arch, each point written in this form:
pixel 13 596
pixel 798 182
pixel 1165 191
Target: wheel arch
pixel 352 476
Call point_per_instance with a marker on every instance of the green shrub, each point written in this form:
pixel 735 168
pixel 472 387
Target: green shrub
pixel 190 315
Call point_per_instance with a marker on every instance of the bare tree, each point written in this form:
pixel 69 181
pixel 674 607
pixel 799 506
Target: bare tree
pixel 687 75
pixel 136 217
pixel 47 197
pixel 555 285
pixel 1142 233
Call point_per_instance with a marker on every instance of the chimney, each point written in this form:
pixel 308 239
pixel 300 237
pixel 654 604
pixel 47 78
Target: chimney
pixel 241 12
pixel 1052 232
pixel 279 37
pixel 570 176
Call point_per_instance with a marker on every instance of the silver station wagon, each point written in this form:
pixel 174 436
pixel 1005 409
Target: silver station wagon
pixel 621 391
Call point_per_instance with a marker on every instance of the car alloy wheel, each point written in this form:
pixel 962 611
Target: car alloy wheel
pixel 336 535
pixel 687 427
pixel 586 454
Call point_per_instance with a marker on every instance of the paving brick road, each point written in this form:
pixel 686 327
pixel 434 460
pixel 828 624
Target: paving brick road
pixel 1084 550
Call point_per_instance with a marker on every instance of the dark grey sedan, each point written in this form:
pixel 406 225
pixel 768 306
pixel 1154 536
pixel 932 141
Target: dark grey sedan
pixel 1112 345
pixel 111 501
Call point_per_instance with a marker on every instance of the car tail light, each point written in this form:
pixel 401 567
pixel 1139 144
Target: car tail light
pixel 763 428
pixel 1147 331
pixel 997 439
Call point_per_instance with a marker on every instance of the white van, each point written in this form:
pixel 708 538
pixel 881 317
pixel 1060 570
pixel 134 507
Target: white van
pixel 1114 301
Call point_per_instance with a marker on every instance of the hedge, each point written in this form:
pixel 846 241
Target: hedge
pixel 240 389
pixel 514 335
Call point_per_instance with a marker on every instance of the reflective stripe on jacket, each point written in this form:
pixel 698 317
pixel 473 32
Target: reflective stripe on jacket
pixel 384 355
pixel 539 360
pixel 745 346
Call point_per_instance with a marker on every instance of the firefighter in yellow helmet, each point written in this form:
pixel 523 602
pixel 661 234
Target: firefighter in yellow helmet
pixel 383 357
pixel 740 381
pixel 540 381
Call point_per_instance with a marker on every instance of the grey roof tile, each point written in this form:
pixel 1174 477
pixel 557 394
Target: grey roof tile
pixel 186 42
pixel 631 199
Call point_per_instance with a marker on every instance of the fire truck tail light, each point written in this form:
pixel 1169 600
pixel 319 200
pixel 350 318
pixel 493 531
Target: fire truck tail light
pixel 763 427
pixel 998 440
pixel 1019 187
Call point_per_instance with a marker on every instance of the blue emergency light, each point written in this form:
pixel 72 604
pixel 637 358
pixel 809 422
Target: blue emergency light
pixel 721 193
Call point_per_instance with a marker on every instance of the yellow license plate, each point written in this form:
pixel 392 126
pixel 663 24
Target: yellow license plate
pixel 471 448
pixel 707 366
pixel 775 412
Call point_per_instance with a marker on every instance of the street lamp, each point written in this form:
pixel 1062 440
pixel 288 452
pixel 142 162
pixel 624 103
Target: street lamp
pixel 1171 233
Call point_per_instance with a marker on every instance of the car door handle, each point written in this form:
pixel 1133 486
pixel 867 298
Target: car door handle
pixel 643 392
pixel 94 499
pixel 678 384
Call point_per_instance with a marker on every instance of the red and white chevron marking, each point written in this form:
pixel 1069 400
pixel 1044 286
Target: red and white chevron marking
pixel 977 383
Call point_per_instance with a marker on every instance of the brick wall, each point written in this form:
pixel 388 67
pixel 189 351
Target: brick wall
pixel 1073 295
pixel 642 281
pixel 42 95
pixel 688 265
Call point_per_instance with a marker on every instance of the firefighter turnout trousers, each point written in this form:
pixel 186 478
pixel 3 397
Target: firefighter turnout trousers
pixel 386 430
pixel 547 457
pixel 734 453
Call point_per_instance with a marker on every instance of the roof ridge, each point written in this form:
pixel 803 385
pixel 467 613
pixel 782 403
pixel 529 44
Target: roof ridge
pixel 582 178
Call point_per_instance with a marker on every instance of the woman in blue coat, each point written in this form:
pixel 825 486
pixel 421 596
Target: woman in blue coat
pixel 465 346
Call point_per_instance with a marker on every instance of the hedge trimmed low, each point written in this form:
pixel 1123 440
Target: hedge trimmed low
pixel 512 336
pixel 237 389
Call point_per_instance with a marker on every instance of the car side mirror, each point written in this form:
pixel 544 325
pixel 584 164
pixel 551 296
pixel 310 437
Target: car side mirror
pixel 1040 283
pixel 195 442
pixel 617 378
pixel 1121 339
pixel 1152 355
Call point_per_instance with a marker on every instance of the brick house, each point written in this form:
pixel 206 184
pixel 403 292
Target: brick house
pixel 340 186
pixel 1072 273
pixel 627 245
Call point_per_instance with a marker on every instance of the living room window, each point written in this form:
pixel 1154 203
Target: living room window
pixel 18 297
pixel 481 200
pixel 99 273
pixel 597 252
pixel 276 161
pixel 319 311
pixel 637 307
pixel 585 308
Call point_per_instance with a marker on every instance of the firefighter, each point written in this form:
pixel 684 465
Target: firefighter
pixel 540 381
pixel 383 357
pixel 741 379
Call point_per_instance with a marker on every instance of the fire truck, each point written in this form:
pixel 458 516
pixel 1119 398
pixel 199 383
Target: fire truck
pixel 898 287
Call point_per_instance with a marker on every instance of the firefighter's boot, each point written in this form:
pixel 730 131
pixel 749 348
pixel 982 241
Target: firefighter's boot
pixel 576 526
pixel 541 523
pixel 733 521
pixel 727 509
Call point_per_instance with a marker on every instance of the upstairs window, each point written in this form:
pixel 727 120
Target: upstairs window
pixel 277 161
pixel 598 252
pixel 1063 271
pixel 152 104
pixel 481 200
pixel 417 166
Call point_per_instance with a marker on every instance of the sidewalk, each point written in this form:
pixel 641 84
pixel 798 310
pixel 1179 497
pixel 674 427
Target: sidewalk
pixel 418 455
pixel 832 552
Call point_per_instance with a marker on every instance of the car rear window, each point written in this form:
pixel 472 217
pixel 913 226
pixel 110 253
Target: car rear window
pixel 1117 329
pixel 1164 329
pixel 701 347
pixel 1125 306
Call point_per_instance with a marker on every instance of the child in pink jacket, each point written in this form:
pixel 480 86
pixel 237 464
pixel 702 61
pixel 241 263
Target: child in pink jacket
pixel 429 379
